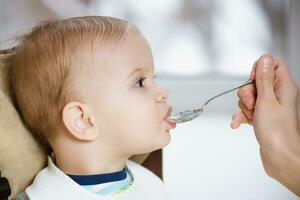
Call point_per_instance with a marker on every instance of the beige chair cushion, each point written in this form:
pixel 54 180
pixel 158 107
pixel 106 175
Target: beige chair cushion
pixel 21 157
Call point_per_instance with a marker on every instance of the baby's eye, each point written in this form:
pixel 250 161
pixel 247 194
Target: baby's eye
pixel 139 83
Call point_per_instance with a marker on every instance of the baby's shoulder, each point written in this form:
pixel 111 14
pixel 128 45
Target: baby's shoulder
pixel 141 173
pixel 146 182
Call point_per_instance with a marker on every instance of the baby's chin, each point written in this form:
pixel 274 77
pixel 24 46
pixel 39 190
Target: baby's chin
pixel 163 140
pixel 158 144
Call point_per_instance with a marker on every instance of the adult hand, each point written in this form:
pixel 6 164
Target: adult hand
pixel 272 106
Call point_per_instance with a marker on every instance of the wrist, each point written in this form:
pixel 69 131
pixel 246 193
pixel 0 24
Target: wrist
pixel 285 165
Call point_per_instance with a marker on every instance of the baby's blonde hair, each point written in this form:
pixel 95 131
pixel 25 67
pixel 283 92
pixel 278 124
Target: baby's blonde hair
pixel 40 69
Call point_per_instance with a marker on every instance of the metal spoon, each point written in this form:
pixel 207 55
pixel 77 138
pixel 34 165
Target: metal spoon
pixel 189 115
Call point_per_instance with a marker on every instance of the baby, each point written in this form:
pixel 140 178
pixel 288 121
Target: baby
pixel 85 88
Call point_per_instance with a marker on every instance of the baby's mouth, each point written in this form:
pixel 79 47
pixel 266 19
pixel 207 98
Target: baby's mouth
pixel 170 123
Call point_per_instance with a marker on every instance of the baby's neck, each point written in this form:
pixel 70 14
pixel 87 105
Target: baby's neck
pixel 83 166
pixel 85 161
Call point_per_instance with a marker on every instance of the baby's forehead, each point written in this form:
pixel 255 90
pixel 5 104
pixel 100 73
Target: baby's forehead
pixel 132 53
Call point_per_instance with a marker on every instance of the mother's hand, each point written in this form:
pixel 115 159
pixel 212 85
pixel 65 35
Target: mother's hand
pixel 272 107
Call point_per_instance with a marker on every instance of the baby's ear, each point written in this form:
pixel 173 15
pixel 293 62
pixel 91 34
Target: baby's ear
pixel 79 121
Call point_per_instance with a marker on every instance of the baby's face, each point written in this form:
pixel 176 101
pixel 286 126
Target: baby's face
pixel 131 108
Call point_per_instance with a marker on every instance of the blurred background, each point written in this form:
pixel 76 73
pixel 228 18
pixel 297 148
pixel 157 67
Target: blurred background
pixel 200 48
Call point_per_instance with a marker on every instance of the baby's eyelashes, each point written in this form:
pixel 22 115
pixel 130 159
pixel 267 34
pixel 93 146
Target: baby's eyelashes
pixel 141 82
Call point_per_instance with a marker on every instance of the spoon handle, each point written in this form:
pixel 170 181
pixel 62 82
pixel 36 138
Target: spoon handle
pixel 189 115
pixel 235 88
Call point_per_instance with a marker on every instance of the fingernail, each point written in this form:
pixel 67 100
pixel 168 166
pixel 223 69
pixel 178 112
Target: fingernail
pixel 267 61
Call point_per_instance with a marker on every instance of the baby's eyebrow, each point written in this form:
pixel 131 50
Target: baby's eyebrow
pixel 135 71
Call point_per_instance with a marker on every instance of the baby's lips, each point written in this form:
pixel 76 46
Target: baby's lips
pixel 169 111
pixel 170 123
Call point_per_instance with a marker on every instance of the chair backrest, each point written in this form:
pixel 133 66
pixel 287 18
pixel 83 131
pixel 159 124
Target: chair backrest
pixel 21 157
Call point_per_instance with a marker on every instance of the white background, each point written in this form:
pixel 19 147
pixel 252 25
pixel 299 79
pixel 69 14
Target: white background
pixel 208 160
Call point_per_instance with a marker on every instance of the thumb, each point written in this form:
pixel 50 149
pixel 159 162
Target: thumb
pixel 264 79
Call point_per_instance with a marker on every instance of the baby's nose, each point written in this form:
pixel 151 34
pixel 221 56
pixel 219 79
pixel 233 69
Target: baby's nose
pixel 162 95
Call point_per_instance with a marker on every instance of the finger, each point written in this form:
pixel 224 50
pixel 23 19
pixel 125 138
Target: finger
pixel 247 96
pixel 252 74
pixel 237 119
pixel 265 76
pixel 285 87
pixel 248 113
pixel 298 112
pixel 281 70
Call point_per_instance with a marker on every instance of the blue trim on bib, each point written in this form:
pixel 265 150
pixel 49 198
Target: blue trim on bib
pixel 98 178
